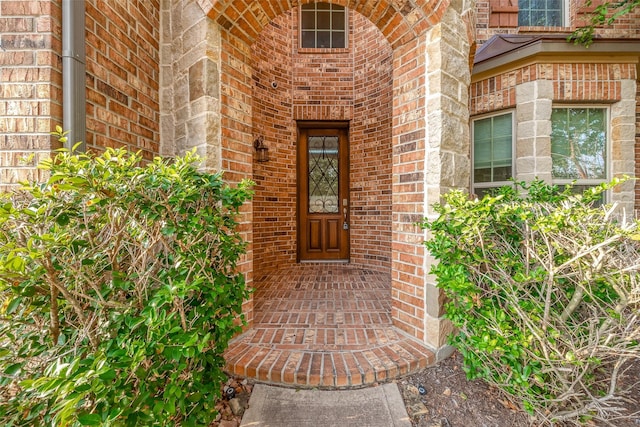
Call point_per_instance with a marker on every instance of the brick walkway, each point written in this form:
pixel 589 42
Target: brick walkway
pixel 324 325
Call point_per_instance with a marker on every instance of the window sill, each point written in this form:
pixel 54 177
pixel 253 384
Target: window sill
pixel 323 51
pixel 504 9
pixel 540 29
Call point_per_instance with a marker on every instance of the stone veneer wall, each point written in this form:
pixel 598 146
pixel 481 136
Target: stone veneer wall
pixel 351 84
pixel 446 151
pixel 533 90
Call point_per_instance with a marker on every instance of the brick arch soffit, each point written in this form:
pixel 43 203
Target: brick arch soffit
pixel 399 20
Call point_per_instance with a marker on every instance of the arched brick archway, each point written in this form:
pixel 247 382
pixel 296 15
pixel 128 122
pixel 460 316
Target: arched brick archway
pixel 400 21
pixel 206 87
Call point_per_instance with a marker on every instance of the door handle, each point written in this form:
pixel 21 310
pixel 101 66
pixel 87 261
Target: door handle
pixel 345 224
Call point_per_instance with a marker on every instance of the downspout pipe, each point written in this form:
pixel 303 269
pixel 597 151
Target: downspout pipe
pixel 73 73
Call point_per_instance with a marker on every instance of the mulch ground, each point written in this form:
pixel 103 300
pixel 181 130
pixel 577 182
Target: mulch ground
pixel 450 400
pixel 441 396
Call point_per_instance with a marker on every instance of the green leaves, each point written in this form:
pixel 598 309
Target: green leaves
pixel 86 419
pixel 604 14
pixel 119 285
pixel 532 282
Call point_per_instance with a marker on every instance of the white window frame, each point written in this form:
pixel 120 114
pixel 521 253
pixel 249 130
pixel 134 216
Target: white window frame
pixel 607 150
pixel 493 184
pixel 565 17
pixel 346 27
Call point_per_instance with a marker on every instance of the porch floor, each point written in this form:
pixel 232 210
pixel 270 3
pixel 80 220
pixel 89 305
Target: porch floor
pixel 324 325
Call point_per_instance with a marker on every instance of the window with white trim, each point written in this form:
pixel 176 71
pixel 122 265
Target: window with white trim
pixel 579 147
pixel 541 13
pixel 323 25
pixel 492 152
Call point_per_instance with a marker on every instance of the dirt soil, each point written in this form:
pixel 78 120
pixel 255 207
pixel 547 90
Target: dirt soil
pixel 450 400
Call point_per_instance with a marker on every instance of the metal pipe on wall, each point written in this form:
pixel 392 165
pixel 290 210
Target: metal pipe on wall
pixel 73 72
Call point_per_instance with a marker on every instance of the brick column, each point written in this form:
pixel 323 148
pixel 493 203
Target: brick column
pixel 439 161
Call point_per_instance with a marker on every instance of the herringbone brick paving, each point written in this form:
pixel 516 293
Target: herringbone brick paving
pixel 324 325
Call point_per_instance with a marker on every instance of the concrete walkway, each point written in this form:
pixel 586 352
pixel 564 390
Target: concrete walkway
pixel 380 406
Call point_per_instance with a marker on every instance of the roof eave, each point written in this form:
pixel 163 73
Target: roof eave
pixel 600 50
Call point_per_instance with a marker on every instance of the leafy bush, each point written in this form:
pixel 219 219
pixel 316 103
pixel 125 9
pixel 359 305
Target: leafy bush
pixel 545 292
pixel 118 292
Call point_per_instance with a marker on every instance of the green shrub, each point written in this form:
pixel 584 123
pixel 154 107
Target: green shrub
pixel 119 292
pixel 545 292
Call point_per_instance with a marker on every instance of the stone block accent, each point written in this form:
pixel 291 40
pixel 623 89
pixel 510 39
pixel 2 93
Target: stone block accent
pixel 624 122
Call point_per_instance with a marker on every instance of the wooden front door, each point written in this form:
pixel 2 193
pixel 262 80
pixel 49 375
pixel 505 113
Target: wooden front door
pixel 323 194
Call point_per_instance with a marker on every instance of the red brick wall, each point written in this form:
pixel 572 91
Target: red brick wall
pixel 351 84
pixel 122 80
pixel 371 149
pixel 501 16
pixel 274 213
pixel 572 83
pixel 236 152
pixel 30 86
pixel 409 155
pixel 627 26
pixel 122 63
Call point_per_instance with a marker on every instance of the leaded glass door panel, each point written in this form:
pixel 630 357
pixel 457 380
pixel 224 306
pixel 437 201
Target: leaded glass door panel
pixel 323 199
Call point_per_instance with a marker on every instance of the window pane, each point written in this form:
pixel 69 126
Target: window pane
pixel 578 143
pixel 546 13
pixel 338 41
pixel 338 20
pixel 502 151
pixel 323 174
pixel 501 173
pixel 482 129
pixel 324 39
pixel 323 25
pixel 502 127
pixel 537 18
pixel 554 19
pixel 492 149
pixel 481 192
pixel 324 21
pixel 308 20
pixel 482 175
pixel 309 39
